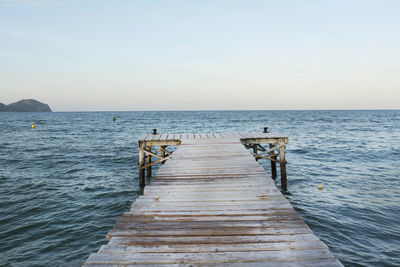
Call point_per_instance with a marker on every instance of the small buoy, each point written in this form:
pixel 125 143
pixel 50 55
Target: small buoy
pixel 114 118
pixel 33 126
pixel 320 187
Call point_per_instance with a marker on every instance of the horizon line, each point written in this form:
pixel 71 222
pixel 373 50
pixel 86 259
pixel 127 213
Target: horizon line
pixel 211 110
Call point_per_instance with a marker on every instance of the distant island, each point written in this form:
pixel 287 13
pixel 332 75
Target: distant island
pixel 25 105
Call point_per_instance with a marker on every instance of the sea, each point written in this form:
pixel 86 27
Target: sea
pixel 64 183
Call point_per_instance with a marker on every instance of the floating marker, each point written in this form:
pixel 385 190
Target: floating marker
pixel 320 187
pixel 33 126
pixel 114 118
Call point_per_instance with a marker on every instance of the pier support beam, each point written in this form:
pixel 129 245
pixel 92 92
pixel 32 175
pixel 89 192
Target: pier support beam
pixel 148 162
pixel 273 163
pixel 255 150
pixel 141 164
pixel 276 149
pixel 163 153
pixel 282 163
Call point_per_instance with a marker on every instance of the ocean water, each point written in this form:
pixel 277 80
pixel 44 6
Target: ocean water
pixel 64 183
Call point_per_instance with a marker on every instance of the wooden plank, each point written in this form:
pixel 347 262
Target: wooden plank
pixel 267 140
pixel 127 223
pixel 173 258
pixel 154 137
pixel 194 248
pixel 162 142
pixel 206 191
pixel 184 240
pixel 142 137
pixel 208 232
pixel 226 206
pixel 230 185
pixel 197 136
pixel 163 137
pixel 308 263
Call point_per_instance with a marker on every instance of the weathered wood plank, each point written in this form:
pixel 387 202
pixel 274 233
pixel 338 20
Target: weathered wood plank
pixel 127 223
pixel 207 232
pixel 184 240
pixel 163 137
pixel 302 263
pixel 195 248
pixel 142 137
pixel 165 258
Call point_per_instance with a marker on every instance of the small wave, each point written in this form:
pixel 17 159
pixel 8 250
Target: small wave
pixel 298 151
pixel 74 170
pixel 93 189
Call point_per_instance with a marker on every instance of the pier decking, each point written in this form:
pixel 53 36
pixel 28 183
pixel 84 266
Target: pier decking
pixel 212 204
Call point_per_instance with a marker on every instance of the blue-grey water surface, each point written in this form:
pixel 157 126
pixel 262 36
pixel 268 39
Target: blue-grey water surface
pixel 64 183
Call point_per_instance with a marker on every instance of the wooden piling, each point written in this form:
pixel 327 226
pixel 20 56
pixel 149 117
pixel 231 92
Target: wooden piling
pixel 141 164
pixel 148 162
pixel 273 164
pixel 163 154
pixel 282 165
pixel 255 150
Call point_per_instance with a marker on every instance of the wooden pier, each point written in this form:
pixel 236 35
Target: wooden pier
pixel 212 204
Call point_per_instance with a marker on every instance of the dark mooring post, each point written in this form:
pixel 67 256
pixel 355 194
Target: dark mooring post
pixel 148 161
pixel 273 164
pixel 141 164
pixel 282 162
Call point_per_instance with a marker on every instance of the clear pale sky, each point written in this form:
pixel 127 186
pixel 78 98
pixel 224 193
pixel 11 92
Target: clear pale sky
pixel 189 55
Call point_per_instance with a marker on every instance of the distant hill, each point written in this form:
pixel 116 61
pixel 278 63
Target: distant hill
pixel 25 105
pixel 3 107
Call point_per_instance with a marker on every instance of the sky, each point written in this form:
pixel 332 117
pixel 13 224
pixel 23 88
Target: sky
pixel 93 55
